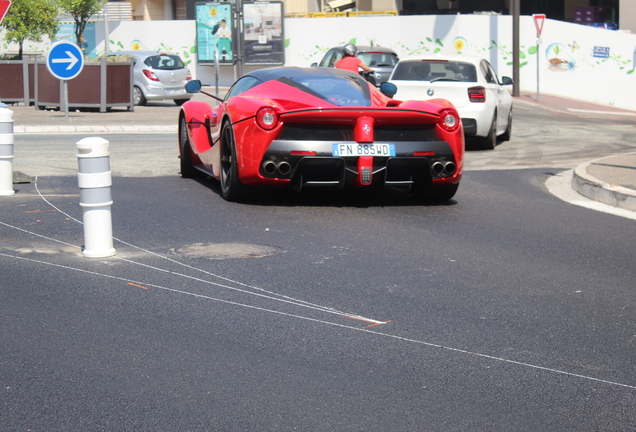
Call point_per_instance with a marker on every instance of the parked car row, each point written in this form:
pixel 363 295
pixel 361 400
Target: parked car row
pixel 470 83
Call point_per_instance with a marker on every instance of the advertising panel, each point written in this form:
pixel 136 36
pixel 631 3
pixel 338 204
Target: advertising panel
pixel 263 33
pixel 214 32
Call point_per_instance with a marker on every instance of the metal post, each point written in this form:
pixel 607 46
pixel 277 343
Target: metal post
pixel 538 43
pixel 6 151
pixel 94 179
pixel 65 97
pixel 515 47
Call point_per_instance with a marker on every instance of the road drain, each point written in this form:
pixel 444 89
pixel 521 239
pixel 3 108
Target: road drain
pixel 227 250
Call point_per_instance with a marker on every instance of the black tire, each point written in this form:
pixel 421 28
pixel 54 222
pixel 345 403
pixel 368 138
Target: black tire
pixel 180 102
pixel 187 168
pixel 138 96
pixel 508 133
pixel 231 187
pixel 439 193
pixel 490 142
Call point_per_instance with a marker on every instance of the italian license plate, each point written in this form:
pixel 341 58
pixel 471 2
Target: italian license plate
pixel 175 91
pixel 363 150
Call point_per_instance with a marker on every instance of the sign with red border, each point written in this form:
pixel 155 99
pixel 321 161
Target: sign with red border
pixel 4 7
pixel 539 19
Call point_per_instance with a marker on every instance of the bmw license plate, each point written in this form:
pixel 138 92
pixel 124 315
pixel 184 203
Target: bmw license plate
pixel 363 150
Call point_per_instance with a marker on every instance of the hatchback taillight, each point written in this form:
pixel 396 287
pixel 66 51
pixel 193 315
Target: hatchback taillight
pixel 448 120
pixel 189 77
pixel 477 94
pixel 267 118
pixel 150 75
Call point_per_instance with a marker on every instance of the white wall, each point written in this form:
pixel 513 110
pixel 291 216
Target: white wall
pixel 575 61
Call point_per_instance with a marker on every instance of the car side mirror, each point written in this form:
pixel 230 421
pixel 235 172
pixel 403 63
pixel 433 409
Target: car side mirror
pixel 193 86
pixel 506 80
pixel 388 89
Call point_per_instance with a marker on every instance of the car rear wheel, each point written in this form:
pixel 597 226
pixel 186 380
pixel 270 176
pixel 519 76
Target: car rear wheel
pixel 490 142
pixel 231 187
pixel 138 96
pixel 439 193
pixel 508 133
pixel 187 168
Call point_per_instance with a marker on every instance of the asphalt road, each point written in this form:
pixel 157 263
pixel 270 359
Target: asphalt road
pixel 541 138
pixel 505 309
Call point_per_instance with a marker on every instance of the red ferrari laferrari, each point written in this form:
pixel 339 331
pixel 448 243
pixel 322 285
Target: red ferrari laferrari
pixel 321 127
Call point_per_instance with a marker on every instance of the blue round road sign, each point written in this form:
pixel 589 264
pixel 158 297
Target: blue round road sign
pixel 65 60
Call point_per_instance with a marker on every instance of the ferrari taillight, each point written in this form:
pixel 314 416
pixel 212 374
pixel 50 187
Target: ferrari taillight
pixel 150 75
pixel 267 118
pixel 448 120
pixel 477 94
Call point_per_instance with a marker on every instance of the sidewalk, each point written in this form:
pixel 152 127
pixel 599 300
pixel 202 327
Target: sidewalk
pixel 610 180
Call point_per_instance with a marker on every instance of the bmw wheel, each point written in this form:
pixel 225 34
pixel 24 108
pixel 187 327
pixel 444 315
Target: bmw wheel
pixel 508 133
pixel 490 142
pixel 231 187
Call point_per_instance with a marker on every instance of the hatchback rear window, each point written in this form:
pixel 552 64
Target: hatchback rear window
pixel 435 71
pixel 378 59
pixel 166 62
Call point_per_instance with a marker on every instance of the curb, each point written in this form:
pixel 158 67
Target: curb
pixel 96 129
pixel 598 190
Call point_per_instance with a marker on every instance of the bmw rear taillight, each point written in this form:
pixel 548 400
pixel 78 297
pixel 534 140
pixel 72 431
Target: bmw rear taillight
pixel 267 118
pixel 448 120
pixel 150 75
pixel 477 94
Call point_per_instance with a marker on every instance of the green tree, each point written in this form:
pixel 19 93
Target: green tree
pixel 30 20
pixel 81 11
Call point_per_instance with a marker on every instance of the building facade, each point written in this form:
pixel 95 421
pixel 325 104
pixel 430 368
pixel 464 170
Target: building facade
pixel 615 14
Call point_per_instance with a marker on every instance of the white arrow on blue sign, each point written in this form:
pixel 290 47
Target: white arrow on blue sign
pixel 65 60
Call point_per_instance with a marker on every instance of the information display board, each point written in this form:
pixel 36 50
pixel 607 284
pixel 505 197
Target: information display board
pixel 263 33
pixel 215 32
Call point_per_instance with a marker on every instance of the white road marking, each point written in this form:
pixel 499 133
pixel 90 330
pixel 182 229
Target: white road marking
pixel 559 185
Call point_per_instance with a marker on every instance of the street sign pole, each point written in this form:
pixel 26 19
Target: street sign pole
pixel 65 61
pixel 515 8
pixel 539 19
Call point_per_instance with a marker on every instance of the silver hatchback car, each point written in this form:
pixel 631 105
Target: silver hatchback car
pixel 158 76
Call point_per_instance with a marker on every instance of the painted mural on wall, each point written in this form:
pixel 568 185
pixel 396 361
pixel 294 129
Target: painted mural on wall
pixel 569 56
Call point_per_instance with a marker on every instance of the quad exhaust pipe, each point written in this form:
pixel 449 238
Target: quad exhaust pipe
pixel 271 167
pixel 443 168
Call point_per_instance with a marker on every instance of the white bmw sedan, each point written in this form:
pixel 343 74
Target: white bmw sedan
pixel 470 83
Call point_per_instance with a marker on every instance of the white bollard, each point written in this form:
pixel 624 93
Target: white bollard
pixel 6 151
pixel 95 182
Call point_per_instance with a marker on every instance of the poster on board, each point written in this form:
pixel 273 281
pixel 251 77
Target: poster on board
pixel 214 32
pixel 263 38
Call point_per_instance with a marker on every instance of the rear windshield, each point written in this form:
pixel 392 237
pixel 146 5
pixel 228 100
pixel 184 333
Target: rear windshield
pixel 337 90
pixel 435 71
pixel 378 59
pixel 166 62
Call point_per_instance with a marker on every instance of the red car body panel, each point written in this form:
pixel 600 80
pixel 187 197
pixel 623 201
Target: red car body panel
pixel 311 113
